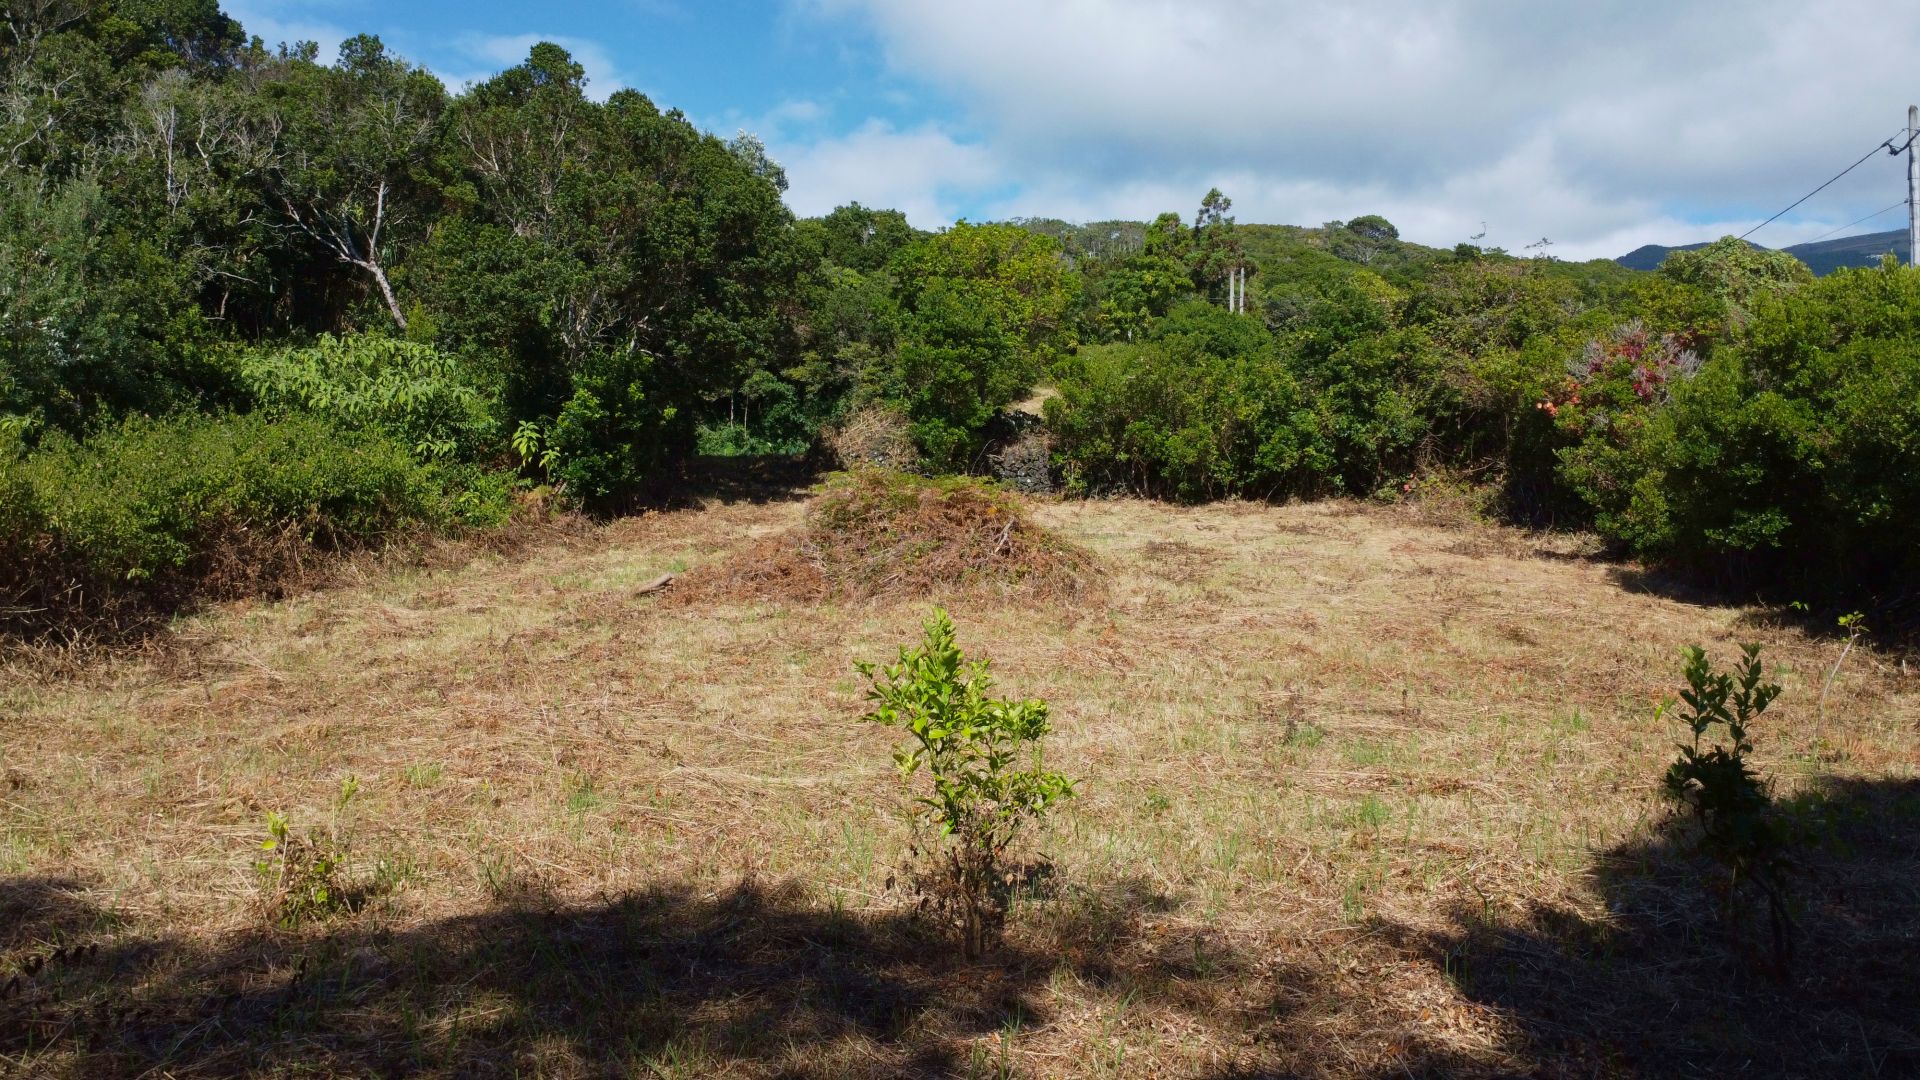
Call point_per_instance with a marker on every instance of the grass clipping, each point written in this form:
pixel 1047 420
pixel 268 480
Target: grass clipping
pixel 879 533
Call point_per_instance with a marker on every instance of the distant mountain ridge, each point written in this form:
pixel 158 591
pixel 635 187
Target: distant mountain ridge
pixel 1822 257
pixel 1826 256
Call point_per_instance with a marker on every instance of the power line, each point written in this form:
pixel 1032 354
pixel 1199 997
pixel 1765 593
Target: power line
pixel 1851 224
pixel 1887 146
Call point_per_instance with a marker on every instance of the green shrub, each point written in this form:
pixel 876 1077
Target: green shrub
pixel 1790 456
pixel 1606 400
pixel 973 748
pixel 1212 330
pixel 1127 299
pixel 1385 397
pixel 21 527
pixel 955 368
pixel 1727 801
pixel 159 509
pixel 1346 400
pixel 1736 272
pixel 1172 420
pixel 407 390
pixel 616 434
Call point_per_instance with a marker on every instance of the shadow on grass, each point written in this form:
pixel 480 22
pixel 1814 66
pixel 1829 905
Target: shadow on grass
pixel 1894 617
pixel 764 980
pixel 1667 985
pixel 666 981
pixel 35 910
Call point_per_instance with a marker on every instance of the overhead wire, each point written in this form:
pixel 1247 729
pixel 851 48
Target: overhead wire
pixel 1851 224
pixel 1886 145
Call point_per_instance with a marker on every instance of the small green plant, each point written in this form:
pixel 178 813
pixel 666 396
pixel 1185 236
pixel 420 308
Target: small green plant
pixel 298 877
pixel 1304 736
pixel 392 874
pixel 349 787
pixel 1370 753
pixel 972 748
pixel 583 795
pixel 534 446
pixel 1569 724
pixel 1855 624
pixel 1371 813
pixel 1353 900
pixel 424 775
pixel 1728 801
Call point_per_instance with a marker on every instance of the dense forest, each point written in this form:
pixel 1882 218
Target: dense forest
pixel 255 300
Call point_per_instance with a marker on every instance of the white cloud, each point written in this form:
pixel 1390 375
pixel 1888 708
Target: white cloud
pixel 278 22
pixel 1592 124
pixel 794 113
pixel 924 172
pixel 790 122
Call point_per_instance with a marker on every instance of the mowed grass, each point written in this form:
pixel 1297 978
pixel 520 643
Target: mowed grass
pixel 1360 795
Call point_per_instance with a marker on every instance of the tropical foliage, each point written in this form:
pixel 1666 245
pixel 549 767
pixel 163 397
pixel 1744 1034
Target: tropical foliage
pixel 541 287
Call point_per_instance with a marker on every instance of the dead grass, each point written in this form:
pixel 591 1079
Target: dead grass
pixel 66 626
pixel 873 438
pixel 1362 797
pixel 876 533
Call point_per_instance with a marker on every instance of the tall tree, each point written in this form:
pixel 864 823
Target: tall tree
pixel 352 144
pixel 1216 253
pixel 612 269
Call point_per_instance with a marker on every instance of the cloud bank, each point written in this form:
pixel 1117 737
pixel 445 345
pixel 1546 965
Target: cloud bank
pixel 1600 126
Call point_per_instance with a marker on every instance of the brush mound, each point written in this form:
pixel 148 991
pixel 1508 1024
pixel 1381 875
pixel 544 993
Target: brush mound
pixel 874 532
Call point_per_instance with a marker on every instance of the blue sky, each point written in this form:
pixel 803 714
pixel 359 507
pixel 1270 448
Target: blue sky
pixel 1601 125
pixel 726 60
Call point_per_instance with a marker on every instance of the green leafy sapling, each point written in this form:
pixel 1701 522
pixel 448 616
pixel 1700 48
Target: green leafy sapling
pixel 1854 623
pixel 299 878
pixel 1729 802
pixel 533 444
pixel 983 762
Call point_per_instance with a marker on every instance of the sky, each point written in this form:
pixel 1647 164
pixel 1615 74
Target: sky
pixel 1598 126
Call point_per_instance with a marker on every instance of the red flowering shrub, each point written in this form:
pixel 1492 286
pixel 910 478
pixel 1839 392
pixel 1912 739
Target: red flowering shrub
pixel 1785 462
pixel 1612 391
pixel 1627 370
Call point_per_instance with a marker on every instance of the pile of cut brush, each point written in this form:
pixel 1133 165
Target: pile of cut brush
pixel 874 533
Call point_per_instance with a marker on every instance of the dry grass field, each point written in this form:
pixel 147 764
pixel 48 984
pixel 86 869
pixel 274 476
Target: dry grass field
pixel 1361 795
